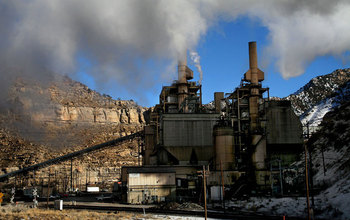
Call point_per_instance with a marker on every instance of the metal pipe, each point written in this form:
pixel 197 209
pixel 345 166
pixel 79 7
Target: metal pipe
pixel 239 123
pixel 281 180
pixel 200 95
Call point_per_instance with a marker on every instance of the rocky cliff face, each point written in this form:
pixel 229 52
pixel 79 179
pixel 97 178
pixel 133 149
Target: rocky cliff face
pixel 320 95
pixel 46 114
pixel 41 122
pixel 65 100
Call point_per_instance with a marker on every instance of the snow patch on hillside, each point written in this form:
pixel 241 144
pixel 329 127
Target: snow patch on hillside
pixel 315 115
pixel 318 90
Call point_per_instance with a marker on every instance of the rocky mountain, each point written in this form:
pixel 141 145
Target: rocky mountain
pixel 325 102
pixel 330 152
pixel 44 121
pixel 66 100
pixel 46 113
pixel 320 95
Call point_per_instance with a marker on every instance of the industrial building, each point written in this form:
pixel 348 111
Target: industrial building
pixel 241 141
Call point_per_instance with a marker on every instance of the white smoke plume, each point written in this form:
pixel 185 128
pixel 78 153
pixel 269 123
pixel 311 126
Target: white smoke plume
pixel 196 59
pixel 118 37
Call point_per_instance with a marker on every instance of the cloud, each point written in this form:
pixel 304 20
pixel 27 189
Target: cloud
pixel 304 30
pixel 119 37
pixel 299 30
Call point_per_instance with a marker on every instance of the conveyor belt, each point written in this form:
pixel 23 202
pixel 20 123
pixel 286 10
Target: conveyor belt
pixel 70 156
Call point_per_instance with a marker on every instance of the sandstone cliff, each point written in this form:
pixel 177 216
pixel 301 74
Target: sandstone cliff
pixel 66 100
pixel 41 122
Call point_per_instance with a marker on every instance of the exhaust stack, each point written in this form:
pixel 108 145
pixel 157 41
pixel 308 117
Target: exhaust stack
pixel 254 75
pixel 184 73
pixel 181 68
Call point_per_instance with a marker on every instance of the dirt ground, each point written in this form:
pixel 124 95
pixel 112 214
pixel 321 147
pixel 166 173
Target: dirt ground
pixel 22 212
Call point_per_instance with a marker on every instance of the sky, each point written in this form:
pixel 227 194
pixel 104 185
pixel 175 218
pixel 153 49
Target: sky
pixel 225 58
pixel 129 49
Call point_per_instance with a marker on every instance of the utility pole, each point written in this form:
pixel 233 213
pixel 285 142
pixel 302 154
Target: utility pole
pixel 34 180
pixel 281 180
pixel 48 190
pixel 71 175
pixel 56 181
pixel 86 182
pixel 223 185
pixel 205 193
pixel 307 184
pixel 311 179
pixel 204 174
pixel 138 151
pixel 324 165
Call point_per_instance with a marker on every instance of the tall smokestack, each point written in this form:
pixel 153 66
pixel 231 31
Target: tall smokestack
pixel 253 58
pixel 182 85
pixel 181 68
pixel 254 76
pixel 253 62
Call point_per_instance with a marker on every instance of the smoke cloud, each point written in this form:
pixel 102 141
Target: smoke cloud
pixel 196 59
pixel 118 38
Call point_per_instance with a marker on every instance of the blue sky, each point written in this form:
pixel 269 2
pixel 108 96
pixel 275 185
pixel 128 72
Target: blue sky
pixel 224 60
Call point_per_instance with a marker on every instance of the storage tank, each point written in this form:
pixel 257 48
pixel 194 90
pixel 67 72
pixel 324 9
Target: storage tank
pixel 224 148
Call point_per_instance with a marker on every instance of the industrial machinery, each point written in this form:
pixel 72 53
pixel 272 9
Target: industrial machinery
pixel 242 139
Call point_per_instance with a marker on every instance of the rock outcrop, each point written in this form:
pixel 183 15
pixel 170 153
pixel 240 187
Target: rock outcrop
pixel 66 100
pixel 41 122
pixel 318 89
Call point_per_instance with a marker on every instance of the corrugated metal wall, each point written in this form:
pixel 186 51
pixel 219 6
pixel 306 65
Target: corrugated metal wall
pixel 283 126
pixel 188 129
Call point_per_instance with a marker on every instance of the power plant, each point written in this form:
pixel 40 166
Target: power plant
pixel 243 144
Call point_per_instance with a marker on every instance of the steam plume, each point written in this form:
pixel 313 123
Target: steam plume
pixel 118 37
pixel 196 60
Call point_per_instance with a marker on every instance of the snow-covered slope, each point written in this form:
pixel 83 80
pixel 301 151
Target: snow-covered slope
pixel 331 159
pixel 316 113
pixel 320 95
